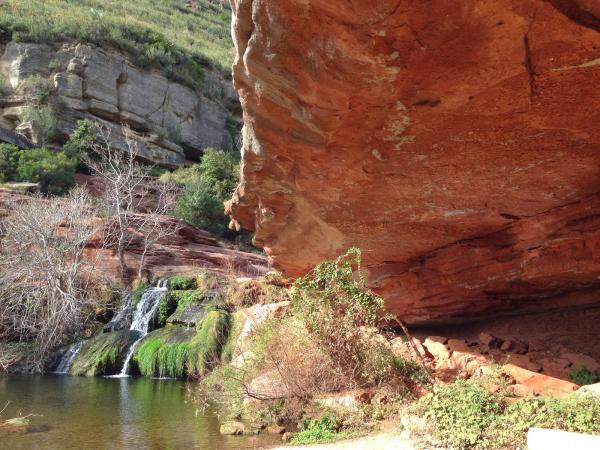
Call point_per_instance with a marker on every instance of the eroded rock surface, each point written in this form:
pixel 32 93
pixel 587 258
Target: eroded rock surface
pixel 456 144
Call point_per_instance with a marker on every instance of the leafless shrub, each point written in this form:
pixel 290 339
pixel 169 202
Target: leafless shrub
pixel 44 278
pixel 283 365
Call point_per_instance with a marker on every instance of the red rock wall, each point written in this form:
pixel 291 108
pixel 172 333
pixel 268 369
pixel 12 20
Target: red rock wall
pixel 456 143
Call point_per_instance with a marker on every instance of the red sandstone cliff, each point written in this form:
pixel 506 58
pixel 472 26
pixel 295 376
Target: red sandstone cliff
pixel 456 143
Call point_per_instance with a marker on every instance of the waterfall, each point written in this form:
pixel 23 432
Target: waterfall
pixel 121 319
pixel 144 314
pixel 68 357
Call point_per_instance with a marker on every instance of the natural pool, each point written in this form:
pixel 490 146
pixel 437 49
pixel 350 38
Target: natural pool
pixel 100 413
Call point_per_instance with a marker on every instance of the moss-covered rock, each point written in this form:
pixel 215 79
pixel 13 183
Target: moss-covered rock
pixel 190 306
pixel 103 354
pixel 164 352
pixel 177 351
pixel 182 283
pixel 237 321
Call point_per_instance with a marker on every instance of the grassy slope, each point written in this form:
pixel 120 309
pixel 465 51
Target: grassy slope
pixel 163 33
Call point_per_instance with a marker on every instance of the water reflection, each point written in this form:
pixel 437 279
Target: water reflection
pixel 99 413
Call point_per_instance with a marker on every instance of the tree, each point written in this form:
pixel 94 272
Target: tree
pixel 153 225
pixel 127 185
pixel 44 278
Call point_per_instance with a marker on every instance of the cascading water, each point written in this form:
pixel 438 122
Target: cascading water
pixel 122 318
pixel 68 357
pixel 145 313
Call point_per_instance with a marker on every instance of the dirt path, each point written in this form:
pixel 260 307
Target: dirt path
pixel 380 441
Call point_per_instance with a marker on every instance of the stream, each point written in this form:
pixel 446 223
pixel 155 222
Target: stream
pixel 116 413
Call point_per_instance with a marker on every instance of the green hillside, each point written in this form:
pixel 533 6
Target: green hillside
pixel 179 36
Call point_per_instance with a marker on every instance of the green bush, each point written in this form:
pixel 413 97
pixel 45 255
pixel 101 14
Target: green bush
pixel 55 172
pixel 463 412
pixel 582 376
pixel 338 310
pixel 9 162
pixel 466 415
pixel 81 140
pixel 314 431
pixel 166 307
pixel 221 169
pixel 182 283
pixel 207 185
pixel 199 206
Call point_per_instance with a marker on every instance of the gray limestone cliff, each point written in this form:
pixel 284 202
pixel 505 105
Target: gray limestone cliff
pixel 171 122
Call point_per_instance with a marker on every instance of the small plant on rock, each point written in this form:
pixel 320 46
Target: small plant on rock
pixel 582 376
pixel 325 429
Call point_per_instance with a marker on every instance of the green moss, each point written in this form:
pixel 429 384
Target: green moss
pixel 177 352
pixel 103 354
pixel 164 352
pixel 211 336
pixel 236 324
pixel 182 283
pixel 166 307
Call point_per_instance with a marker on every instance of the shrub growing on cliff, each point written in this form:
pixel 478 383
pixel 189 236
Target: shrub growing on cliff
pixel 54 171
pixel 43 119
pixel 207 185
pixel 9 162
pixel 343 315
pixel 82 140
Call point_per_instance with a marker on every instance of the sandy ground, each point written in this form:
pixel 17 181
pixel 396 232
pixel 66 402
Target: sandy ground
pixel 380 441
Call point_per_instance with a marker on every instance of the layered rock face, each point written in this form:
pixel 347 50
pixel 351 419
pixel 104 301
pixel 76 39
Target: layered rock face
pixel 171 122
pixel 456 143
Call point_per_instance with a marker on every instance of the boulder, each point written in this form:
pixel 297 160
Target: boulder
pixel 10 137
pixel 555 366
pixel 525 362
pixel 103 354
pixel 458 345
pixel 449 143
pixel 488 340
pixel 349 400
pixel 69 85
pixel 287 436
pixel 247 320
pixel 232 428
pixel 590 389
pixel 514 346
pixel 538 383
pixel 276 429
pixel 545 439
pixel 436 345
